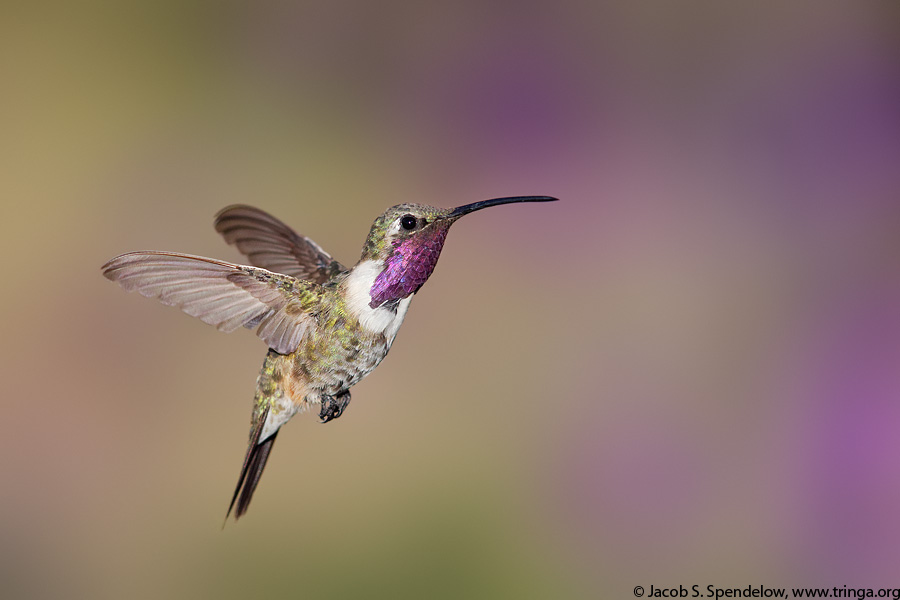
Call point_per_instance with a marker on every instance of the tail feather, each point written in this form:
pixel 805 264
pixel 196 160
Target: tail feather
pixel 251 471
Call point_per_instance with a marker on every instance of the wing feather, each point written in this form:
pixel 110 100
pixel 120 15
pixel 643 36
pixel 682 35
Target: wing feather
pixel 272 245
pixel 222 294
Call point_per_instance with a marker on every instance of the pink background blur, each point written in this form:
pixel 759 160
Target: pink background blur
pixel 685 372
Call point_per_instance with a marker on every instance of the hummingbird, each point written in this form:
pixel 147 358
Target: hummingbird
pixel 326 326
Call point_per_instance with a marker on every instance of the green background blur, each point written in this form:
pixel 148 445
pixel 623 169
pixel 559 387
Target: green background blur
pixel 685 372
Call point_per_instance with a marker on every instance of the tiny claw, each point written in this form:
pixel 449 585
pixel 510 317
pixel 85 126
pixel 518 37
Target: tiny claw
pixel 333 407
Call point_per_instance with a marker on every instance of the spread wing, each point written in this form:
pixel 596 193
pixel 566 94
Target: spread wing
pixel 222 294
pixel 272 245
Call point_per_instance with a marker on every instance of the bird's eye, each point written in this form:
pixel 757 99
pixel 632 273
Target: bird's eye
pixel 408 222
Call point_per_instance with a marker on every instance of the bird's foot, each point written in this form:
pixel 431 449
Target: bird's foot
pixel 333 406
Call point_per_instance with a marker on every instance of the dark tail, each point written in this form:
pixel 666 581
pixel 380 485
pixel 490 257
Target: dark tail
pixel 254 463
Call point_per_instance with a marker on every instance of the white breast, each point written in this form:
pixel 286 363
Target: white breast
pixel 373 320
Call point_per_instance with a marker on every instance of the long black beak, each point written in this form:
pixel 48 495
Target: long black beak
pixel 466 209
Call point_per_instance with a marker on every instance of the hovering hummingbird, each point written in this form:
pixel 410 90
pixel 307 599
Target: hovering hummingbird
pixel 327 326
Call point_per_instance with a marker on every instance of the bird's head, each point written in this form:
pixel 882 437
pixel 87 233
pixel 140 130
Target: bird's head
pixel 406 242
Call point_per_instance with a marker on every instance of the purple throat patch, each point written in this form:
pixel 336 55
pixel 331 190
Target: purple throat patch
pixel 408 267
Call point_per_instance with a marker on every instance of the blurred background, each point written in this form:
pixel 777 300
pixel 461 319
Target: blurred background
pixel 685 372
